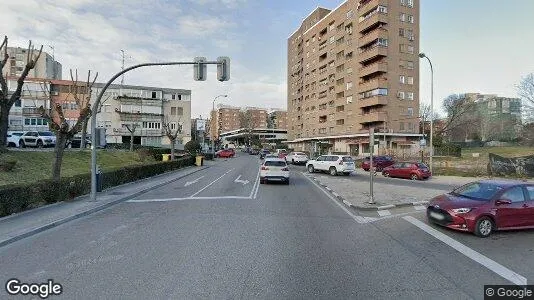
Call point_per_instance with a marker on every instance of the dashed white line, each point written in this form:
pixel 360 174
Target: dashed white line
pixel 384 213
pixel 472 254
pixel 207 186
pixel 188 198
pixel 386 207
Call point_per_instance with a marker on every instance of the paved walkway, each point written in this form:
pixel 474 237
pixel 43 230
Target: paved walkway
pixel 27 223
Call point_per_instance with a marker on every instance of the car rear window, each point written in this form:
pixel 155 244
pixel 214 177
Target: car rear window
pixel 348 159
pixel 275 163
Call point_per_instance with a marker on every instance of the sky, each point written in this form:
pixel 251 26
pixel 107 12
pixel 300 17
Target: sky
pixel 475 46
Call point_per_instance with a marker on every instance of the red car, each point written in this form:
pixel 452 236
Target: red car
pixel 282 155
pixel 379 162
pixel 411 170
pixel 482 207
pixel 225 153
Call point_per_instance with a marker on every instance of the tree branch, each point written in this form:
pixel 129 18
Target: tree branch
pixel 29 66
pixel 3 82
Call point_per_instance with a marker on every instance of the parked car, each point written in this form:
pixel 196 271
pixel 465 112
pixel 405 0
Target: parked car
pixel 282 154
pixel 411 170
pixel 481 207
pixel 297 158
pixel 254 151
pixel 334 164
pixel 76 142
pixel 274 169
pixel 379 162
pixel 225 153
pixel 38 139
pixel 13 138
pixel 264 152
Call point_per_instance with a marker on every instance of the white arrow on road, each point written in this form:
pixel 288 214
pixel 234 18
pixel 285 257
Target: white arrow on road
pixel 241 181
pixel 194 181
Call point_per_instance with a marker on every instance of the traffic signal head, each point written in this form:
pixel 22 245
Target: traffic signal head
pixel 223 68
pixel 200 69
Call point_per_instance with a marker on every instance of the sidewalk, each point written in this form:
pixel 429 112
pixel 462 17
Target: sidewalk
pixel 27 223
pixel 387 194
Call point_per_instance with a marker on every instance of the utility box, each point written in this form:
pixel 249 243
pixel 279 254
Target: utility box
pixel 100 138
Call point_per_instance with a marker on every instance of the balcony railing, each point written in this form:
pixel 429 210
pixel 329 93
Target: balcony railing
pixel 373 101
pixel 372 117
pixel 369 85
pixel 372 69
pixel 374 52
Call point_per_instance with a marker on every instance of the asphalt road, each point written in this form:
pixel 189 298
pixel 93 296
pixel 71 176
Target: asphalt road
pixel 219 234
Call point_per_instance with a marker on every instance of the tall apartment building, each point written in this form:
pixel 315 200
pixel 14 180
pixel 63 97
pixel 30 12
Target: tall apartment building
pixel 147 107
pixel 353 69
pixel 278 119
pixel 46 67
pixel 225 118
pixel 258 117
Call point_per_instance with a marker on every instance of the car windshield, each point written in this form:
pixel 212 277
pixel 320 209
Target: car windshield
pixel 45 133
pixel 16 134
pixel 275 163
pixel 478 191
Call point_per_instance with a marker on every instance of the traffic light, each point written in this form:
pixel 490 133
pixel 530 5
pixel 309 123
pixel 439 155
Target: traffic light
pixel 200 69
pixel 223 68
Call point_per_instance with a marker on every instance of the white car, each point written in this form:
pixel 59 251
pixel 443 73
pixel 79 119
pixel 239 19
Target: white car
pixel 13 138
pixel 333 164
pixel 297 158
pixel 274 169
pixel 37 139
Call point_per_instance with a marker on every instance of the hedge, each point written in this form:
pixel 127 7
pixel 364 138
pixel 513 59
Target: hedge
pixel 18 198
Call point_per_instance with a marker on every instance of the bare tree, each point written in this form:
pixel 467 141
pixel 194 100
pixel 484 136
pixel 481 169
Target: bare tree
pixel 86 121
pixel 132 127
pixel 525 89
pixel 462 116
pixel 81 93
pixel 172 130
pixel 246 122
pixel 425 115
pixel 7 100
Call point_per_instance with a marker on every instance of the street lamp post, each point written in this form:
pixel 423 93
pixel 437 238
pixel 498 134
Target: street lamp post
pixel 422 55
pixel 97 104
pixel 213 133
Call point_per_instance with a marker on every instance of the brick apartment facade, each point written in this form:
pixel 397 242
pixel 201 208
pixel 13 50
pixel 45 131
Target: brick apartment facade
pixel 353 69
pixel 279 119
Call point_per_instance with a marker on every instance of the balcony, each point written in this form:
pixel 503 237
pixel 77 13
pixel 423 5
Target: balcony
pixel 373 101
pixel 367 5
pixel 373 53
pixel 373 69
pixel 372 36
pixel 373 117
pixel 31 111
pixel 369 85
pixel 373 21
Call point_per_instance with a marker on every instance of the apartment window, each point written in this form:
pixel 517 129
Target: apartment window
pixel 409 65
pixel 350 14
pixel 375 92
pixel 173 126
pixel 340 108
pixel 400 95
pixel 349 99
pixel 402 79
pixel 410 3
pixel 401 31
pixel 410 111
pixel 340 122
pixel 409 95
pixel 382 42
pixel 322 130
pixel 173 111
pixel 409 80
pixel 349 70
pixel 154 95
pixel 401 126
pixel 307 42
pixel 332 39
pixel 180 111
pixel 349 85
pixel 332 26
pixel 173 97
pixel 402 17
pixel 411 127
pixel 410 19
pixel 382 9
pixel 331 129
pixel 410 49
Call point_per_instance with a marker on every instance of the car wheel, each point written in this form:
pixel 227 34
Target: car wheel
pixel 293 161
pixel 11 144
pixel 333 171
pixel 386 174
pixel 39 144
pixel 287 181
pixel 484 227
pixel 311 169
pixel 22 144
pixel 262 181
pixel 414 177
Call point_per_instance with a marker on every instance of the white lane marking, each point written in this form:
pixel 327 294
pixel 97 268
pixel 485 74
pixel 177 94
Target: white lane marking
pixel 419 203
pixel 328 189
pixel 386 207
pixel 237 180
pixel 335 194
pixel 194 181
pixel 188 198
pixel 347 203
pixel 420 207
pixel 207 186
pixel 255 186
pixel 472 254
pixel 384 213
pixel 358 219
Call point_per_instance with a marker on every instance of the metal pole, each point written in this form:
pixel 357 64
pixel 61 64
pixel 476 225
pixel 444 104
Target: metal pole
pixel 431 112
pixel 371 167
pixel 97 104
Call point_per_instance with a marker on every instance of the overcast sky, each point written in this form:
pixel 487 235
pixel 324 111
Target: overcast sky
pixel 476 46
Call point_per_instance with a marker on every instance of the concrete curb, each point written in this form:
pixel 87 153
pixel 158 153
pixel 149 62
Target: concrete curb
pixel 91 211
pixel 366 208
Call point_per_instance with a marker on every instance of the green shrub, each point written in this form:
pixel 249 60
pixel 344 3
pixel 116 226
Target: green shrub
pixel 17 198
pixel 192 147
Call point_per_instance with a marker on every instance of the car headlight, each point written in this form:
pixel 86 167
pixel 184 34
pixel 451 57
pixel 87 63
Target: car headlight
pixel 462 210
